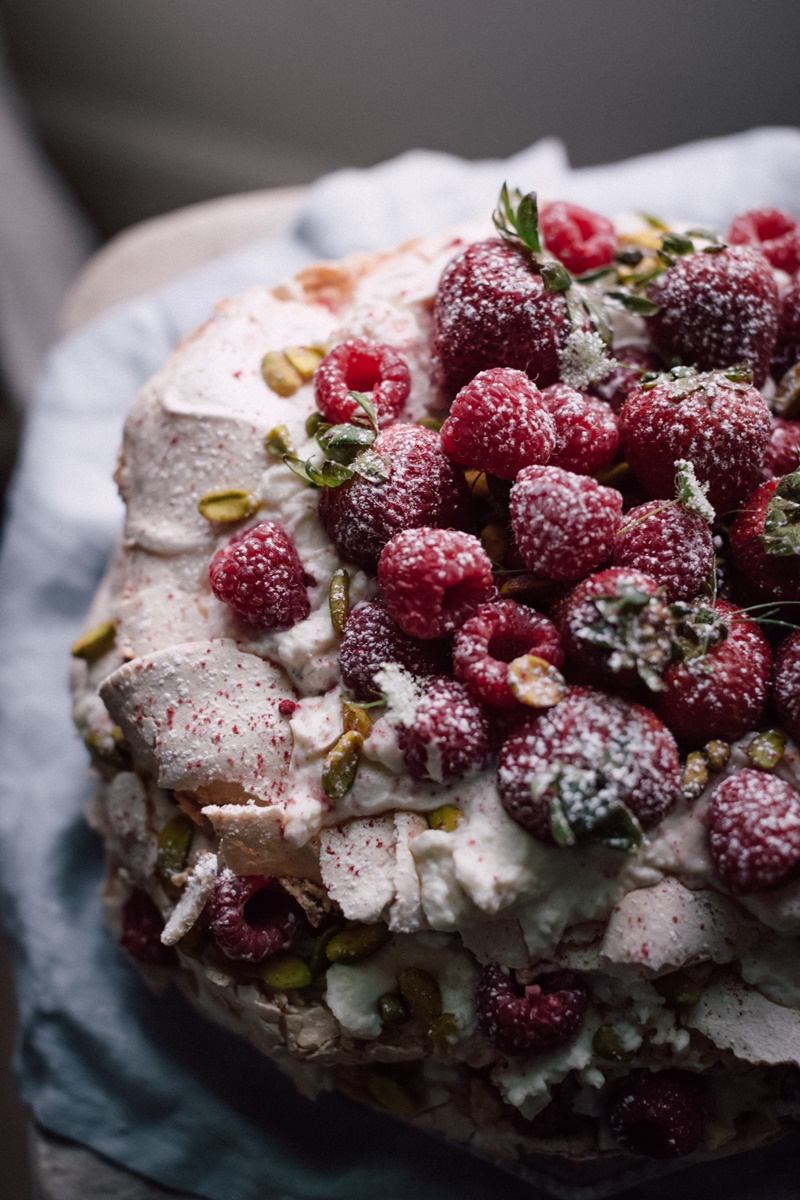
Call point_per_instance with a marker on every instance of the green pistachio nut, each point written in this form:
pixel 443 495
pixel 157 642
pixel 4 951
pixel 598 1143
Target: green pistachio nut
pixel 355 944
pixel 339 599
pixel 174 842
pixel 392 1009
pixel 304 359
pixel 390 1094
pixel 767 749
pixel 607 1043
pixel 678 989
pixel 285 973
pixel 695 775
pixel 279 375
pixel 445 818
pixel 341 764
pixel 356 719
pixel 278 442
pixel 95 642
pixel 421 993
pixel 225 505
pixel 717 754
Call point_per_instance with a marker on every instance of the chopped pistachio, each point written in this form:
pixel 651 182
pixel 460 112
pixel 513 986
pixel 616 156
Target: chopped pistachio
pixel 390 1094
pixel 304 359
pixel 536 682
pixel 227 504
pixel 608 1044
pixel 341 764
pixel 678 989
pixel 717 754
pixel 278 442
pixel 356 718
pixel 695 774
pixel 356 943
pixel 174 842
pixel 319 961
pixel 392 1009
pixel 285 972
pixel 767 749
pixel 494 539
pixel 445 818
pixel 96 642
pixel 279 374
pixel 421 993
pixel 339 599
pixel 443 1032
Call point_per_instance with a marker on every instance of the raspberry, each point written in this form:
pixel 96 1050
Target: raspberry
pixel 719 425
pixel 787 344
pixel 670 544
pixel 564 524
pixel 142 924
pixel 492 310
pixel 449 736
pixel 434 579
pixel 635 361
pixel 765 539
pixel 720 693
pixel 581 239
pixel 259 575
pixel 424 488
pixel 783 452
pixel 361 366
pixel 774 232
pixel 786 684
pixel 659 1115
pixel 615 628
pixel 251 917
pixel 587 436
pixel 371 638
pixel 588 757
pixel 497 634
pixel 529 1018
pixel 754 831
pixel 716 310
pixel 498 423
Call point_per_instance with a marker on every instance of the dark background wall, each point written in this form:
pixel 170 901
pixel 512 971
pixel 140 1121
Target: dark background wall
pixel 147 104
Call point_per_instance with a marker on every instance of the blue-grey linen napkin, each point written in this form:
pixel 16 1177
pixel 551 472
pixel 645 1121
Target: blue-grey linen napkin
pixel 139 1078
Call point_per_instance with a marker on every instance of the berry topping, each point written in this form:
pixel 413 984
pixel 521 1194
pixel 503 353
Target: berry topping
pixel 361 366
pixel 424 488
pixel 529 1018
pixel 142 924
pixel 716 310
pixel 670 544
pixel 582 240
pixel 495 636
pixel 259 575
pixel 251 917
pixel 498 423
pixel 754 831
pixel 564 524
pixel 658 1115
pixel 449 735
pixel 786 684
pixel 434 579
pixel 371 639
pixel 587 436
pixel 634 362
pixel 765 539
pixel 783 452
pixel 774 232
pixel 493 309
pixel 716 421
pixel 720 688
pixel 787 344
pixel 594 766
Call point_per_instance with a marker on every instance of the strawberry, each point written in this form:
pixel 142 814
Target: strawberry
pixel 787 343
pixel 786 684
pixel 765 539
pixel 716 308
pixel 783 452
pixel 774 232
pixel 754 831
pixel 656 1114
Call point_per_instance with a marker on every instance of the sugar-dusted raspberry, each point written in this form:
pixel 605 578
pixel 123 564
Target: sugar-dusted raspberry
pixel 581 239
pixel 765 539
pixel 658 1115
pixel 720 693
pixel 669 543
pixel 498 633
pixel 361 366
pixel 587 436
pixel 615 628
pixel 635 361
pixel 720 425
pixel 564 524
pixel 251 917
pixel 371 639
pixel 716 310
pixel 787 343
pixel 786 684
pixel 754 831
pixel 774 232
pixel 434 579
pixel 142 924
pixel 449 735
pixel 424 488
pixel 259 575
pixel 783 452
pixel 492 310
pixel 530 1018
pixel 498 423
pixel 579 763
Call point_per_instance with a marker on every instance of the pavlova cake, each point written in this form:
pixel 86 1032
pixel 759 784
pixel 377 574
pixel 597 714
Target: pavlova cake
pixel 442 688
